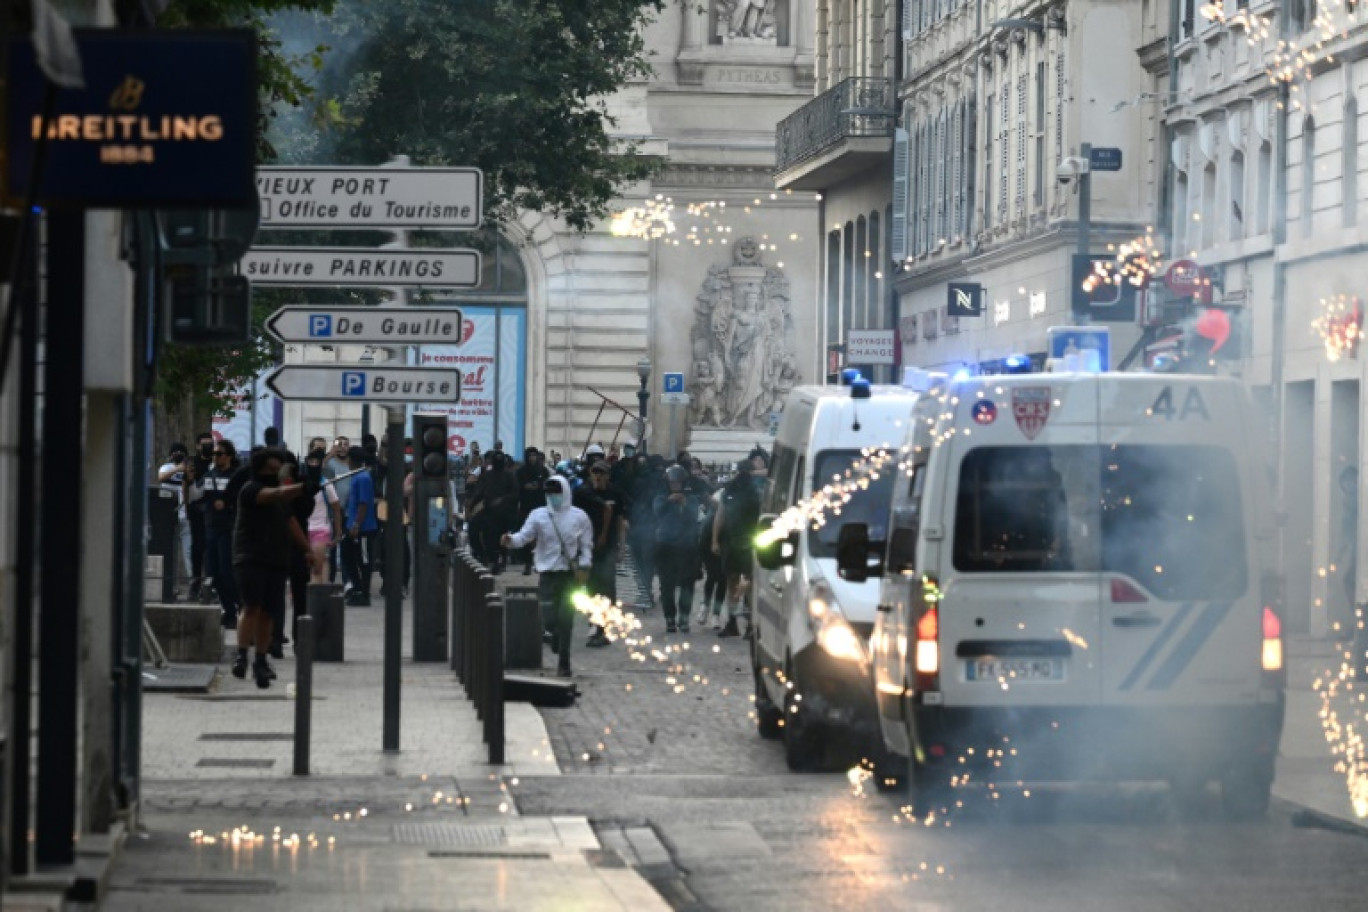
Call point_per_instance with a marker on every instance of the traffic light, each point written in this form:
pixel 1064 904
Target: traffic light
pixel 430 435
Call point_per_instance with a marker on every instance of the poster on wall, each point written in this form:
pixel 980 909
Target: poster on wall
pixel 492 360
pixel 255 408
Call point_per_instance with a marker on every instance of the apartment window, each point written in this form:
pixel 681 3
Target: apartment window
pixel 1308 181
pixel 1022 128
pixel 1207 214
pixel 1189 17
pixel 1263 187
pixel 833 288
pixel 1349 163
pixel 988 161
pixel 1237 195
pixel 847 277
pixel 970 156
pixel 1038 194
pixel 858 276
pixel 1003 148
pixel 1180 211
pixel 872 259
pixel 1060 88
pixel 960 169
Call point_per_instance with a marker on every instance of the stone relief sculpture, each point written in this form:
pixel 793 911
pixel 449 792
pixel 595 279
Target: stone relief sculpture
pixel 746 21
pixel 743 351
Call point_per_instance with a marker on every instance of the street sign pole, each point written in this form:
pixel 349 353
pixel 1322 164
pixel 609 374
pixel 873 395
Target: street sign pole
pixel 394 573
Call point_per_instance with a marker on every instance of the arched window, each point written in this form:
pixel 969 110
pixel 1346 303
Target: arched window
pixel 859 277
pixel 872 258
pixel 1264 188
pixel 1237 195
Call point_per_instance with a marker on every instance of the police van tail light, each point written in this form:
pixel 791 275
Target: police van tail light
pixel 1122 591
pixel 1272 641
pixel 928 645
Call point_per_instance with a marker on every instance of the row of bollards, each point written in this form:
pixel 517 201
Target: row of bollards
pixel 477 645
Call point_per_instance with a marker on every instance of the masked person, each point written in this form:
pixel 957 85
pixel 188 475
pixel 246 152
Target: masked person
pixel 498 488
pixel 733 540
pixel 220 511
pixel 358 548
pixel 676 555
pixel 563 547
pixel 531 475
pixel 263 535
pixel 609 518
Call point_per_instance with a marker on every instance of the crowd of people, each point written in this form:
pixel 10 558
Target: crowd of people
pixel 573 521
pixel 249 529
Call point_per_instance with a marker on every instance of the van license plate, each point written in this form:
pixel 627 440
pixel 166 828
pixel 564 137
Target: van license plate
pixel 1014 670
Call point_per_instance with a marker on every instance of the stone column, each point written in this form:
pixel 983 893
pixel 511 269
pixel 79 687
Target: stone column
pixel 803 38
pixel 695 21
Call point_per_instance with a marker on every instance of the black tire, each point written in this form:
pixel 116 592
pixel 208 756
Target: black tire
pixel 890 770
pixel 767 715
pixel 802 751
pixel 1245 792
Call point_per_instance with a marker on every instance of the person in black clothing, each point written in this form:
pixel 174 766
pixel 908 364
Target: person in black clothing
pixel 715 581
pixel 676 536
pixel 532 476
pixel 200 464
pixel 610 526
pixel 498 488
pixel 263 535
pixel 694 483
pixel 220 510
pixel 647 481
pixel 733 540
pixel 300 566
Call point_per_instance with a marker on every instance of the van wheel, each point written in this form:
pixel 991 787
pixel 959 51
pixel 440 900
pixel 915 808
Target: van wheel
pixel 1245 792
pixel 890 770
pixel 767 715
pixel 801 750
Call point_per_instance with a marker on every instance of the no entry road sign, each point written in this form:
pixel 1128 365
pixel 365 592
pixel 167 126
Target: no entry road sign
pixel 373 325
pixel 359 266
pixel 368 383
pixel 447 198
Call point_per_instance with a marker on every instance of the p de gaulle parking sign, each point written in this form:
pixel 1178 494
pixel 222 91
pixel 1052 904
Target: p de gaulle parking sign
pixel 167 119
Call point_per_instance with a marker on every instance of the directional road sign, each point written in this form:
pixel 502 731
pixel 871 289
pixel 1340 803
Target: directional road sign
pixel 449 198
pixel 366 383
pixel 373 325
pixel 673 382
pixel 358 266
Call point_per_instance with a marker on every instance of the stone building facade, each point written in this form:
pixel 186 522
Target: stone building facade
pixel 726 71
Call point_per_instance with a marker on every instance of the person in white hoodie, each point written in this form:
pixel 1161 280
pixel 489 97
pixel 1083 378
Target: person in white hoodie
pixel 563 551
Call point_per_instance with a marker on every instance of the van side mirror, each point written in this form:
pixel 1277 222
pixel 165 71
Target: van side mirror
pixel 779 553
pixel 853 548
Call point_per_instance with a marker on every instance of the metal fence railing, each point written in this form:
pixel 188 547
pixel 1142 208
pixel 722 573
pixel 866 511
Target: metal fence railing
pixel 858 106
pixel 477 645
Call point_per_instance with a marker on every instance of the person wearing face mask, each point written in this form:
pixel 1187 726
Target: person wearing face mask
pixel 498 488
pixel 194 508
pixel 264 533
pixel 563 547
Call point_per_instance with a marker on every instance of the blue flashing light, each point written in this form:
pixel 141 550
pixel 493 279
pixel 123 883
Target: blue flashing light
pixel 1016 364
pixel 849 376
pixel 859 388
pixel 961 375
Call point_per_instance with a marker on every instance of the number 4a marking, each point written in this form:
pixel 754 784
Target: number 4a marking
pixel 1192 404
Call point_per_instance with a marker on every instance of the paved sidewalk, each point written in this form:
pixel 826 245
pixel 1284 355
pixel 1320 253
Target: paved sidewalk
pixel 1306 763
pixel 431 827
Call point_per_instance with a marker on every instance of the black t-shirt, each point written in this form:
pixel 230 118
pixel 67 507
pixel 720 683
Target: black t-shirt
pixel 262 532
pixel 587 499
pixel 216 486
pixel 621 506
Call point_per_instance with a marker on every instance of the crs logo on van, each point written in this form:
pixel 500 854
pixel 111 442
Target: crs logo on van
pixel 1031 409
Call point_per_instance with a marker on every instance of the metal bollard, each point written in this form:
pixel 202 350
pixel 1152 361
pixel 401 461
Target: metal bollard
pixel 304 649
pixel 494 649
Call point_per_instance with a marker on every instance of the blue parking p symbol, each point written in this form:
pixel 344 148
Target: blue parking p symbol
pixel 353 383
pixel 320 325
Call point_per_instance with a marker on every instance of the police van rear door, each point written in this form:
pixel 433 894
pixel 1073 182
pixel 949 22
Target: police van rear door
pixel 1020 596
pixel 1181 616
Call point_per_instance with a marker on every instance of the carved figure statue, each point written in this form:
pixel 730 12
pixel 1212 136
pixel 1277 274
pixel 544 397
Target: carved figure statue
pixel 742 344
pixel 747 19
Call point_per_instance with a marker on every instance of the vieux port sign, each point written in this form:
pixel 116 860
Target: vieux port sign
pixel 166 119
pixel 445 198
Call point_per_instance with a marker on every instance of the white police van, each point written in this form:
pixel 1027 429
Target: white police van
pixel 812 628
pixel 1078 585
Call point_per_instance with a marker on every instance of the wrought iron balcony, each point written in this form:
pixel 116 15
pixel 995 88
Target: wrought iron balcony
pixel 855 107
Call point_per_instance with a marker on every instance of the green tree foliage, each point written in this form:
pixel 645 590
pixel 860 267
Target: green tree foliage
pixel 514 87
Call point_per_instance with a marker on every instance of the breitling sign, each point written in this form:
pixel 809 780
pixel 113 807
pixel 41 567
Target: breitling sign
pixel 166 119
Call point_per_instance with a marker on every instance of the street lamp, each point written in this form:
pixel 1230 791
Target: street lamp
pixel 643 374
